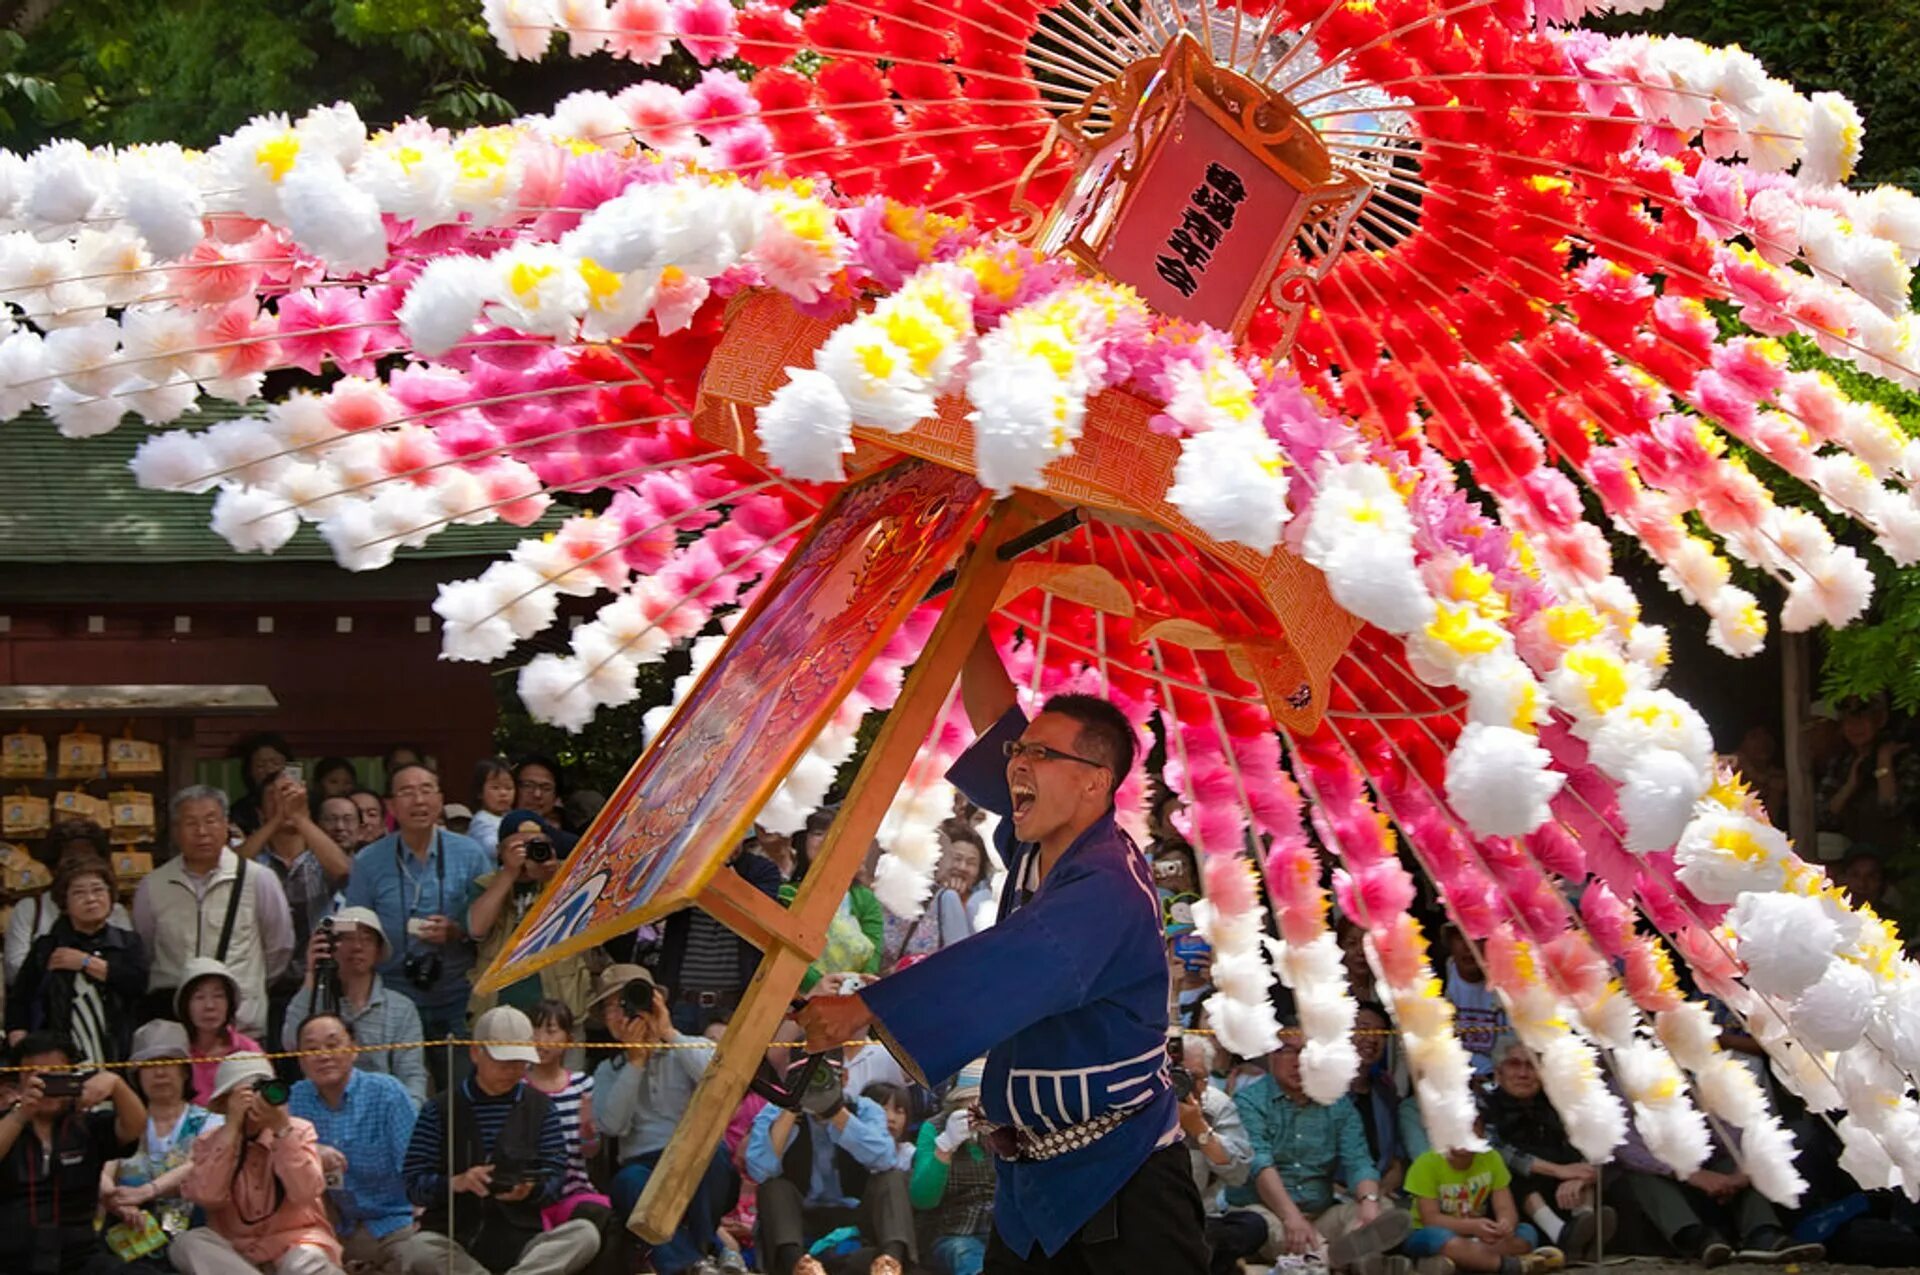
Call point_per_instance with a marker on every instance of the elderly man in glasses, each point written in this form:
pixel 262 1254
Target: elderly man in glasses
pixel 1066 995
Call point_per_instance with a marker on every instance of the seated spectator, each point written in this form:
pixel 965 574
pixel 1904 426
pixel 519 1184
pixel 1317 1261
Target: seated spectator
pixel 377 1015
pixel 829 1165
pixel 1221 1156
pixel 493 790
pixel 365 1118
pixel 531 852
pixel 895 1101
pixel 260 1182
pixel 1300 1150
pixel 571 1093
pixel 1553 1183
pixel 1863 875
pixel 1477 1013
pixel 206 1002
pixel 1702 1217
pixel 142 1193
pixel 34 915
pixel 482 1186
pixel 85 977
pixel 953 1180
pixel 1391 1122
pixel 942 922
pixel 1468 1219
pixel 52 1152
pixel 639 1096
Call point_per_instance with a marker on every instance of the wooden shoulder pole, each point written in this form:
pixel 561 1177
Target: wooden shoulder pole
pixel 794 938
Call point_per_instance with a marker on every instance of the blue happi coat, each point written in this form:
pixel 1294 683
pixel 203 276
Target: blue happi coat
pixel 1066 995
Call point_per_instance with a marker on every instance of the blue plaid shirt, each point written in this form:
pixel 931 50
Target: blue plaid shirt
pixel 371 1127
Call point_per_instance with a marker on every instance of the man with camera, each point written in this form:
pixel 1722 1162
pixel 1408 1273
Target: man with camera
pixel 260 1181
pixel 1220 1152
pixel 54 1141
pixel 829 1163
pixel 531 854
pixel 485 1158
pixel 639 1095
pixel 342 980
pixel 366 1119
pixel 420 881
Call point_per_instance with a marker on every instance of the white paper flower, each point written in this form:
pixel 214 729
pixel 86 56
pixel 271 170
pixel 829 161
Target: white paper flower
pixel 1500 780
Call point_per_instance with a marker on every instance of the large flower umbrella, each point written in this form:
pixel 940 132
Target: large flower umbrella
pixel 1238 297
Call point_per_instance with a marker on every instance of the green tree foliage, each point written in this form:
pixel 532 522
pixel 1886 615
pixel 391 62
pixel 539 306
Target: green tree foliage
pixel 192 70
pixel 1867 50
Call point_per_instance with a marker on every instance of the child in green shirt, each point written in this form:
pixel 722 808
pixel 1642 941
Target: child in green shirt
pixel 1467 1220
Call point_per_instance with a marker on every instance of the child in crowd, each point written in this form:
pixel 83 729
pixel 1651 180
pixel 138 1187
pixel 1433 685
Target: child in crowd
pixel 894 1101
pixel 1466 1217
pixel 572 1095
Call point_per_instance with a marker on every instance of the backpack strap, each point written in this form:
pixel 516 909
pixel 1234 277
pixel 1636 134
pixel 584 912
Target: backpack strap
pixel 233 908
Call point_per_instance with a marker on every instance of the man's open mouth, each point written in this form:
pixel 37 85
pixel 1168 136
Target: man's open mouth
pixel 1023 797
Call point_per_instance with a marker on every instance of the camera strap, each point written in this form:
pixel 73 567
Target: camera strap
pixel 233 908
pixel 406 877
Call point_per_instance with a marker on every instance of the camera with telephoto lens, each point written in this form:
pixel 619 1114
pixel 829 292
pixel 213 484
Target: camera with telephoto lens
pixel 326 970
pixel 422 969
pixel 539 850
pixel 273 1089
pixel 817 1081
pixel 636 998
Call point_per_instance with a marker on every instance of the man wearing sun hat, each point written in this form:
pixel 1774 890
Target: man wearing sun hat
pixel 376 1014
pixel 260 1181
pixel 507 1162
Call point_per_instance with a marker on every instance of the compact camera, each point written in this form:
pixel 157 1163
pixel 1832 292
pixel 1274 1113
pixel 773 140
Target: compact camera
pixel 422 969
pixel 62 1084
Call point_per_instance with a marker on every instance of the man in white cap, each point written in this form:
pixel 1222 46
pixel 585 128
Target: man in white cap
pixel 259 1180
pixel 507 1160
pixel 378 1015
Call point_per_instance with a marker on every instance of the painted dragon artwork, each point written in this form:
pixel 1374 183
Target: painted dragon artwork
pixel 1329 339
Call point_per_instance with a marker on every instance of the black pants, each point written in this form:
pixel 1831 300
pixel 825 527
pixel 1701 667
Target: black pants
pixel 788 1225
pixel 1154 1226
pixel 1232 1236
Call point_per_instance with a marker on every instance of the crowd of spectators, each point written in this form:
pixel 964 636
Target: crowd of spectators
pixel 273 983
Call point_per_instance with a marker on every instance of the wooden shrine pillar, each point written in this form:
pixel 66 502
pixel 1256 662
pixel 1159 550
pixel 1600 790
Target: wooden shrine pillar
pixel 792 937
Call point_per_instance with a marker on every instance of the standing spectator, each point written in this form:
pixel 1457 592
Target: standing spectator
pixel 829 1165
pixel 705 966
pixel 205 1003
pixel 493 793
pixel 1868 793
pixel 264 756
pixel 150 1180
pixel 966 870
pixel 339 818
pixel 373 815
pixel 942 923
pixel 420 882
pixel 1553 1183
pixel 482 1192
pixel 333 777
pixel 52 1152
pixel 857 932
pixel 530 855
pixel 368 1119
pixel 1478 1017
pixel 539 784
pixel 1758 761
pixel 310 867
pixel 260 1182
pixel 953 1180
pixel 1300 1150
pixel 374 1013
pixel 571 1093
pixel 640 1094
pixel 1222 1157
pixel 1863 875
pixel 1467 1215
pixel 208 901
pixel 581 807
pixel 401 756
pixel 33 916
pixel 83 978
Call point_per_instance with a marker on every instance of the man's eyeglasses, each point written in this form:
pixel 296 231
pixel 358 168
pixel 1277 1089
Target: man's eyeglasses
pixel 1018 748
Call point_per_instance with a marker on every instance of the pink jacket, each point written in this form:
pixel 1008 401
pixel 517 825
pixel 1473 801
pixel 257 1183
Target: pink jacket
pixel 232 1201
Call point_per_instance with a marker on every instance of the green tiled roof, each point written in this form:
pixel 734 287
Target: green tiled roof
pixel 74 500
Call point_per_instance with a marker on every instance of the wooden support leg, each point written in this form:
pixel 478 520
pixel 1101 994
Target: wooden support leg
pixel 841 853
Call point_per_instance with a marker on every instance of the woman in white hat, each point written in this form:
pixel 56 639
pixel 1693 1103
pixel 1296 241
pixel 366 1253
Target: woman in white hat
pixel 149 1181
pixel 206 1001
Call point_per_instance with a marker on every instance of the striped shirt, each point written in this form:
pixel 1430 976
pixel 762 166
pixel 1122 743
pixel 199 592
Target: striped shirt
pixel 426 1164
pixel 566 1104
pixel 712 960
